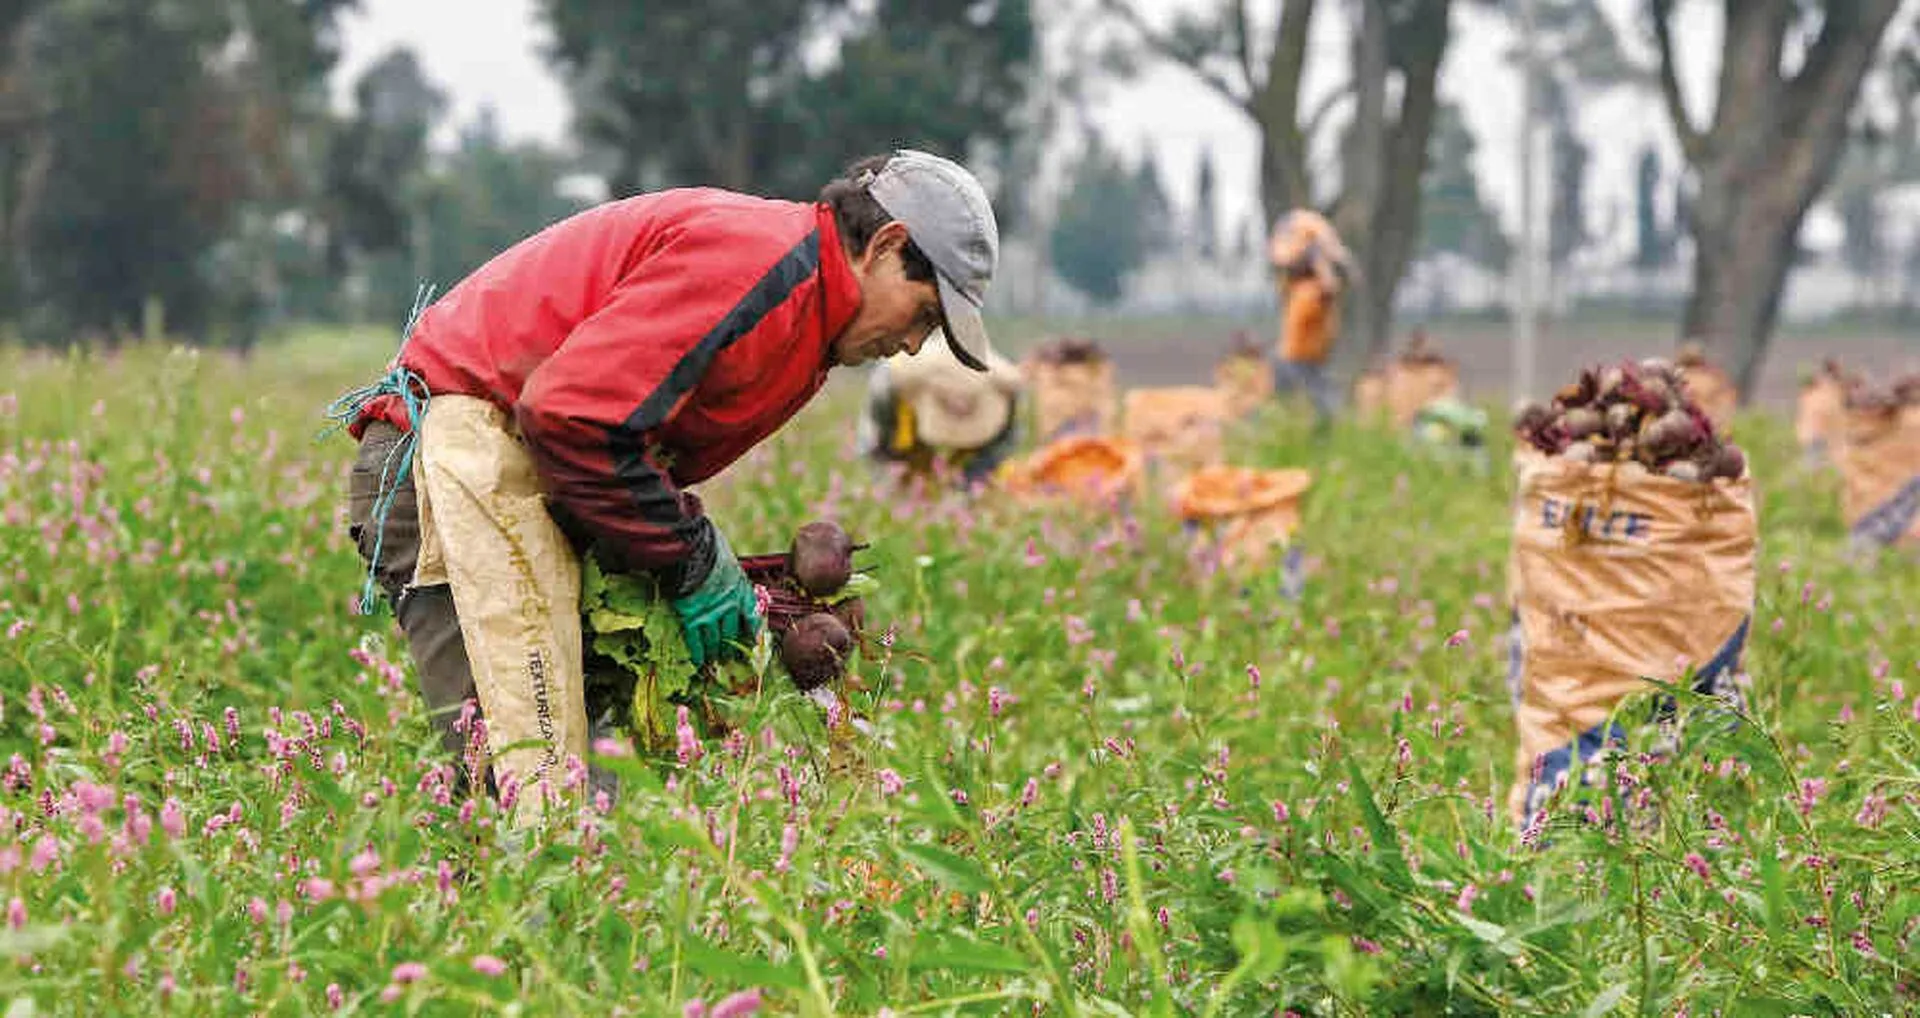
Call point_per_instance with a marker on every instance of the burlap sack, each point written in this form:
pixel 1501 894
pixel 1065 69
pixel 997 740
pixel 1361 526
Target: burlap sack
pixel 1714 390
pixel 1880 468
pixel 1820 416
pixel 1614 579
pixel 485 530
pixel 1182 428
pixel 1079 398
pixel 1245 383
pixel 1242 517
pixel 1370 396
pixel 1083 469
pixel 1410 386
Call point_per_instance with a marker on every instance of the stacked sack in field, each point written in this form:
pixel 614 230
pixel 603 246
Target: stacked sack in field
pixel 1880 462
pixel 1074 388
pixel 1711 388
pixel 1180 428
pixel 1634 537
pixel 1243 377
pixel 1822 410
pixel 1397 390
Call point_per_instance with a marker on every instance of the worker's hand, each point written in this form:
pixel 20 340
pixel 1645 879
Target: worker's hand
pixel 722 611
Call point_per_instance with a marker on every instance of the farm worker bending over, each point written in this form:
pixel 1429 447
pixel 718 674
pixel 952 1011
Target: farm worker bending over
pixel 565 396
pixel 1310 267
pixel 925 407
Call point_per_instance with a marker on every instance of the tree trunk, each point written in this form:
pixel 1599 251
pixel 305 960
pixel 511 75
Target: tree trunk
pixel 1386 217
pixel 1771 150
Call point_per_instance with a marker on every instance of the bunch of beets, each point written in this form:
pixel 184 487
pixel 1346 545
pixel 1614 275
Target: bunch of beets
pixel 813 631
pixel 1887 398
pixel 1244 348
pixel 1631 413
pixel 1070 350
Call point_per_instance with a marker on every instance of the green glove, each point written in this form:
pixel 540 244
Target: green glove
pixel 722 610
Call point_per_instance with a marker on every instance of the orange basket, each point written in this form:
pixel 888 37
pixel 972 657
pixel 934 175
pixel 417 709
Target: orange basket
pixel 1083 468
pixel 1222 492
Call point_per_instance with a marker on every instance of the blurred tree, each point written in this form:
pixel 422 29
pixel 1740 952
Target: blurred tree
pixel 1098 240
pixel 486 196
pixel 1206 209
pixel 1394 66
pixel 1777 131
pixel 376 156
pixel 776 96
pixel 1653 243
pixel 154 133
pixel 1455 218
pixel 1151 205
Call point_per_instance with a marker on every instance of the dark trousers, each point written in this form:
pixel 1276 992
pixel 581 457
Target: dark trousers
pixel 425 614
pixel 429 620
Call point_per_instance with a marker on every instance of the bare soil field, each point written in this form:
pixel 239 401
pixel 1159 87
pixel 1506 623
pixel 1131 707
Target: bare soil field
pixel 1182 351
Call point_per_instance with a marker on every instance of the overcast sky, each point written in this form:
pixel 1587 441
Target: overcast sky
pixel 488 52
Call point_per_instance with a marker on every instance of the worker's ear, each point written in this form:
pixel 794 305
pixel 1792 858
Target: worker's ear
pixel 890 239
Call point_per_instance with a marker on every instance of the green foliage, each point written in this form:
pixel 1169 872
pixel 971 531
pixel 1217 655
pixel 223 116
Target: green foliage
pixel 1455 217
pixel 630 624
pixel 777 96
pixel 1105 227
pixel 1075 795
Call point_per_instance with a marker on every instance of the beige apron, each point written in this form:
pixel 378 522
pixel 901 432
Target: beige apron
pixel 484 530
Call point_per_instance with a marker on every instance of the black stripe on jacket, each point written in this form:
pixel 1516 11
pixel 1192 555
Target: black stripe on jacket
pixel 646 479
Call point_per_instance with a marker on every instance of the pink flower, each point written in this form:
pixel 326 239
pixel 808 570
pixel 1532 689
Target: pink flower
pixel 173 819
pixel 739 1005
pixel 694 1009
pixel 1698 864
pixel 334 997
pixel 16 914
pixel 1465 902
pixel 1459 638
pixel 689 749
pixel 165 901
pixel 1280 812
pixel 488 965
pixel 890 781
pixel 409 972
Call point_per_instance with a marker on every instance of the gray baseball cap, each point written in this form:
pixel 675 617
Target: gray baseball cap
pixel 947 213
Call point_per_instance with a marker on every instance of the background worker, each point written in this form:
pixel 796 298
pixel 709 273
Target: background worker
pixel 565 397
pixel 1311 270
pixel 927 411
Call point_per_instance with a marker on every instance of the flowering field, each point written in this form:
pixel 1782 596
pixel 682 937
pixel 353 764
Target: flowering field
pixel 1104 785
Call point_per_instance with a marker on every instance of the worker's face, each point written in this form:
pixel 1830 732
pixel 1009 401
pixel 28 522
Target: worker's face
pixel 896 313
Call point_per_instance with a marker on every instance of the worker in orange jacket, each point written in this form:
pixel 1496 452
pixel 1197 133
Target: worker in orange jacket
pixel 1311 269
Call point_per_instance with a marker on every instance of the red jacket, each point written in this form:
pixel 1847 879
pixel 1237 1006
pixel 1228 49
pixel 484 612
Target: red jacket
pixel 643 346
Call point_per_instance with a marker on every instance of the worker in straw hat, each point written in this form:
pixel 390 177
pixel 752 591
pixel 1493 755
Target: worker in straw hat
pixel 1311 268
pixel 928 412
pixel 567 396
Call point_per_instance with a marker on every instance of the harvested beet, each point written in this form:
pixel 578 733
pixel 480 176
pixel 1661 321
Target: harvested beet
pixel 1583 422
pixel 821 558
pixel 1728 462
pixel 1634 416
pixel 852 612
pixel 1673 435
pixel 815 650
pixel 1622 421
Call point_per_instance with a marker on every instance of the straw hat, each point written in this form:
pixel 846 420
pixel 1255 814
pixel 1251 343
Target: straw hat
pixel 954 407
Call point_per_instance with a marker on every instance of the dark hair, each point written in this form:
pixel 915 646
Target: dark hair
pixel 860 217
